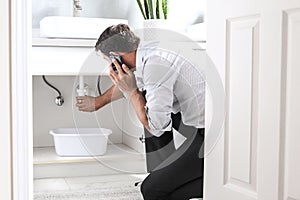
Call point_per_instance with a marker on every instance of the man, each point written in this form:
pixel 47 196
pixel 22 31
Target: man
pixel 167 92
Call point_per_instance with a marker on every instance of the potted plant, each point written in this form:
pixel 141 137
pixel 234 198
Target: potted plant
pixel 155 13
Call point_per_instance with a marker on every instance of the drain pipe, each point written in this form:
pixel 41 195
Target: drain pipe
pixel 59 100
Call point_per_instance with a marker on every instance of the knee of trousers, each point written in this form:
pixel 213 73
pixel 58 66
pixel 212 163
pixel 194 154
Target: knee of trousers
pixel 148 191
pixel 145 189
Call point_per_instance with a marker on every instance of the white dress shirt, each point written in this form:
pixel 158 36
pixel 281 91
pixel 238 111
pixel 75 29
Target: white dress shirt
pixel 172 85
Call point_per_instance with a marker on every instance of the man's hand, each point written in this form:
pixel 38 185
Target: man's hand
pixel 124 80
pixel 86 103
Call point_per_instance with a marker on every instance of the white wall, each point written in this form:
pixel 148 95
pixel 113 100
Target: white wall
pixel 5 102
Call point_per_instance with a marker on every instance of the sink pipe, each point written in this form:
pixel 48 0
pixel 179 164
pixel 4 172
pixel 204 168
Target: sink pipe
pixel 77 8
pixel 82 89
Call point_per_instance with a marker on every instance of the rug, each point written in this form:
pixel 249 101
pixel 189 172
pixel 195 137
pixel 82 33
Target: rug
pixel 110 193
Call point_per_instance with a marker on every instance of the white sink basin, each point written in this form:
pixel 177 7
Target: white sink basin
pixel 75 27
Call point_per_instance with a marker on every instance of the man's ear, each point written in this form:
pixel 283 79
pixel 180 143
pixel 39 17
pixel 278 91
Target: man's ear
pixel 114 53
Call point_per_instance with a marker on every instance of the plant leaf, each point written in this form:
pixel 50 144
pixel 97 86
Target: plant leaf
pixel 150 3
pixel 146 9
pixel 157 10
pixel 165 8
pixel 141 8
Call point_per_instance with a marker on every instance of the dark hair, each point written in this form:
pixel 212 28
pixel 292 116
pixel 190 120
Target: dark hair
pixel 117 38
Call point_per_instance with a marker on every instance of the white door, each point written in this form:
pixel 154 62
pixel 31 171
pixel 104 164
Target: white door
pixel 255 45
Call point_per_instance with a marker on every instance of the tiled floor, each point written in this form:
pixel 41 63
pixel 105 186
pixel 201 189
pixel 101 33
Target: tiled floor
pixel 57 184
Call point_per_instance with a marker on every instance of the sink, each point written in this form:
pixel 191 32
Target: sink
pixel 75 27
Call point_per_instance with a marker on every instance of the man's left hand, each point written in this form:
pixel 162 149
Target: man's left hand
pixel 124 80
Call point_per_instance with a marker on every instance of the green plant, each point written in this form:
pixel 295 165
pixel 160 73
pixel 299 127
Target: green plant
pixel 153 9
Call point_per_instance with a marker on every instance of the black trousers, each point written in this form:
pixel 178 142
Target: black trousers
pixel 174 174
pixel 159 148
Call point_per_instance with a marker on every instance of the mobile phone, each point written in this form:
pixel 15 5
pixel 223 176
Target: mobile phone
pixel 118 59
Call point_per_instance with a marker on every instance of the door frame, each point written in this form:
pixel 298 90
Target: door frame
pixel 20 31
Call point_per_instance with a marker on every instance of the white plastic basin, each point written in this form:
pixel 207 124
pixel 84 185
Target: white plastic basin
pixel 80 141
pixel 75 27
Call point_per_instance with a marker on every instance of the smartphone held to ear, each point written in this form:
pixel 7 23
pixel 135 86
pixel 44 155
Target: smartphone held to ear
pixel 119 60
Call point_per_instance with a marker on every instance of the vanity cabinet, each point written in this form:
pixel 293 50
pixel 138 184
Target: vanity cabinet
pixel 66 57
pixel 78 57
pixel 62 61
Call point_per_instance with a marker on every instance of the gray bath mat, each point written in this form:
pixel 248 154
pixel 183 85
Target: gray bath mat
pixel 111 193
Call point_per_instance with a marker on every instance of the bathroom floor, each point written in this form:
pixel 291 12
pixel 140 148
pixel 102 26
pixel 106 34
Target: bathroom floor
pixel 89 187
pixel 55 184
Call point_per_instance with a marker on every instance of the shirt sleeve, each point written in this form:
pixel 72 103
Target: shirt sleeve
pixel 159 82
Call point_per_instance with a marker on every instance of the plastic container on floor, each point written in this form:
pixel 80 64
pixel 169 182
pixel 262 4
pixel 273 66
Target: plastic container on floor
pixel 80 141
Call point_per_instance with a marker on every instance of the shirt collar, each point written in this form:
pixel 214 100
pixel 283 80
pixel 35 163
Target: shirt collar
pixel 143 50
